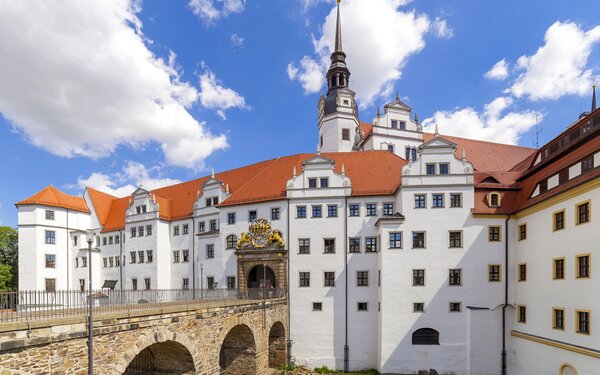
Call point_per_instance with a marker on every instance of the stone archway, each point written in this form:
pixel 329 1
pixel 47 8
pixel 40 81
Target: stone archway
pixel 168 357
pixel 238 352
pixel 261 276
pixel 277 348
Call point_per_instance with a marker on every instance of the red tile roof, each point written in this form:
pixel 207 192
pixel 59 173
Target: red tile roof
pixel 51 196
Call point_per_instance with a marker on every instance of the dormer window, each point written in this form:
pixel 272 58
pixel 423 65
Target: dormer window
pixel 312 183
pixel 324 182
pixel 430 168
pixel 493 200
pixel 444 168
pixel 394 124
pixel 141 209
pixel 402 125
pixel 212 201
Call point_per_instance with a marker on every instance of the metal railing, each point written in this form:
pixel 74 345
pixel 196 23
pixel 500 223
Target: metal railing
pixel 31 305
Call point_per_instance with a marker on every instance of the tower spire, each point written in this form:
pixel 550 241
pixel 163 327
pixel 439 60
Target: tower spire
pixel 594 97
pixel 338 30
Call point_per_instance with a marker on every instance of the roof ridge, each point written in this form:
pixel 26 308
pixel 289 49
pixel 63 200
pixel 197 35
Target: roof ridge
pixel 483 141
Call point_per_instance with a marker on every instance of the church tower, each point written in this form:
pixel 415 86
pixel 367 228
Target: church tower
pixel 339 128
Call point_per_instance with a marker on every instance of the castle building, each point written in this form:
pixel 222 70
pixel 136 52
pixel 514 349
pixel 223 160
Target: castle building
pixel 406 250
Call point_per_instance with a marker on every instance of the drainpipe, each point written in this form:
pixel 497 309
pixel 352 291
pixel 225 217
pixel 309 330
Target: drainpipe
pixel 289 315
pixel 193 257
pixel 505 296
pixel 68 260
pixel 346 347
pixel 121 261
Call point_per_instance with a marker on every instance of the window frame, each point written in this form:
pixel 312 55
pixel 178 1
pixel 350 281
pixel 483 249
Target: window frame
pixel 564 268
pixel 231 218
pixel 250 214
pixel 416 278
pixel 578 322
pixel 368 206
pixel 578 214
pixel 460 279
pixel 325 245
pixel 230 245
pixel 326 280
pixel 395 241
pixel 275 213
pixel 450 310
pixel 555 227
pixel 316 211
pixel 424 239
pixel 460 200
pixel 317 306
pixel 447 165
pixel 49 239
pixel 388 204
pixel 422 310
pixel 300 246
pixel 460 239
pixel 578 266
pixel 427 166
pixel 52 262
pixel 362 281
pixel 350 240
pixel 563 317
pixel 298 209
pixel 351 207
pixel 306 279
pixel 359 304
pixel 424 196
pixel 521 276
pixel 367 245
pixel 522 232
pixel 332 210
pixel 522 314
pixel 499 273
pixel 49 214
pixel 433 200
pixel 489 236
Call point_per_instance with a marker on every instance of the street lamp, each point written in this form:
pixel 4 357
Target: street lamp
pixel 90 236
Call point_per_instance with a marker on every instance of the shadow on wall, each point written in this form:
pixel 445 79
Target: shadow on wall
pixel 167 357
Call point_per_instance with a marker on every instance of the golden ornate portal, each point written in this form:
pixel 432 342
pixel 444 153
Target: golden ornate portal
pixel 260 235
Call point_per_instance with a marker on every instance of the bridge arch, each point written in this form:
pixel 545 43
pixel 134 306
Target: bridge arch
pixel 238 351
pixel 277 345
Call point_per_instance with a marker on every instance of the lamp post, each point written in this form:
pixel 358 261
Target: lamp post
pixel 90 240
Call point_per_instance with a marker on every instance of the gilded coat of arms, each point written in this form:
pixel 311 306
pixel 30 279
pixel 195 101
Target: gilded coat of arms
pixel 260 235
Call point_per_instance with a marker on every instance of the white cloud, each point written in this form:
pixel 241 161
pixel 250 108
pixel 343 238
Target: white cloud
pixel 213 95
pixel 81 81
pixel 210 11
pixel 491 125
pixel 559 66
pixel 441 29
pixel 499 71
pixel 236 40
pixel 377 51
pixel 123 183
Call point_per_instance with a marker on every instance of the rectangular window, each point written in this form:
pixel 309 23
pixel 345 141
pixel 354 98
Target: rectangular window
pixel 117 261
pixel 210 251
pixel 324 182
pixel 215 201
pixel 558 268
pixel 420 201
pixel 370 244
pixel 201 226
pixel 49 215
pixel 587 164
pixel 301 212
pixel 332 210
pixel 140 256
pixel 455 306
pixel 76 262
pixel 134 284
pixel 176 230
pixel 149 256
pixel 304 246
pixel 185 255
pixel 390 147
pixel 132 257
pixel 316 211
pixel 371 209
pixel 354 210
pixel 583 213
pixel 522 276
pixel 148 230
pixel 312 183
pixel 559 220
pixel 208 202
pixel 583 322
pixel 231 218
pixel 563 176
pixel 51 285
pixel 212 225
pixel 252 215
pixel 407 153
pixel 494 273
pixel 455 238
pixel 494 233
pixel 455 200
pixel 147 283
pixel 437 200
pixel 362 306
pixel 444 168
pixel 141 231
pixel 345 134
pixel 394 124
pixel 186 229
pixel 558 318
pixel 50 237
pixel 354 245
pixel 402 125
pixel 329 245
pixel 82 285
pixel 176 256
pixel 430 168
pixel 275 213
pixel 388 208
pixel 110 240
pixel 317 306
pixel 230 282
pixel 117 238
pixel 455 277
pixel 105 262
pixel 522 314
pixel 522 232
pixel 329 279
pixel 304 279
pixel 395 240
pixel 418 240
pixel 103 241
pixel 418 277
pixel 583 266
pixel 76 239
pixel 185 285
pixel 111 262
pixel 362 278
pixel 84 262
pixel 50 261
pixel 418 307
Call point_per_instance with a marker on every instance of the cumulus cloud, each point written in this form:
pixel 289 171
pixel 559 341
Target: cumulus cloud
pixel 236 40
pixel 213 95
pixel 499 71
pixel 124 182
pixel 377 51
pixel 492 124
pixel 441 29
pixel 559 67
pixel 81 81
pixel 210 11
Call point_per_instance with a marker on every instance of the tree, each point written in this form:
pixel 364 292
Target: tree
pixel 9 258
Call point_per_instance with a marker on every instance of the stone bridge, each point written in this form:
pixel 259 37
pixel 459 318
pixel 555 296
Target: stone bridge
pixel 219 337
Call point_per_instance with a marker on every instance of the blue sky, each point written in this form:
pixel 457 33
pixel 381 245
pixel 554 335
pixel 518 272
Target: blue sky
pixel 111 94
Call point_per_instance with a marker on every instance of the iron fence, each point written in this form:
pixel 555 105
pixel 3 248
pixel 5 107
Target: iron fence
pixel 30 305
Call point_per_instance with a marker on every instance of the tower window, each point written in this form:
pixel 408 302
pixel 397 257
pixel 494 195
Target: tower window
pixel 341 79
pixel 345 133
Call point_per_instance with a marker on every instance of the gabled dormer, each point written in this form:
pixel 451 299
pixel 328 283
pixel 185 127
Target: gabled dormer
pixel 397 116
pixel 318 179
pixel 142 205
pixel 213 192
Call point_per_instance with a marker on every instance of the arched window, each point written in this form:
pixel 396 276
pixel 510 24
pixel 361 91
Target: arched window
pixel 414 153
pixel 426 336
pixel 341 80
pixel 567 370
pixel 231 241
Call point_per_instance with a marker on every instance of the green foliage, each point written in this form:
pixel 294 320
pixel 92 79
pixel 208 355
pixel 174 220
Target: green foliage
pixel 9 258
pixel 285 368
pixel 324 370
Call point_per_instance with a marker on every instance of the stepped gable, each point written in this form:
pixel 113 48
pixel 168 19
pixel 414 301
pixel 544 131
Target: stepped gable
pixel 51 196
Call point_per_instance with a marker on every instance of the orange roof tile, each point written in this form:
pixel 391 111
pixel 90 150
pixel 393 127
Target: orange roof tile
pixel 101 202
pixel 51 196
